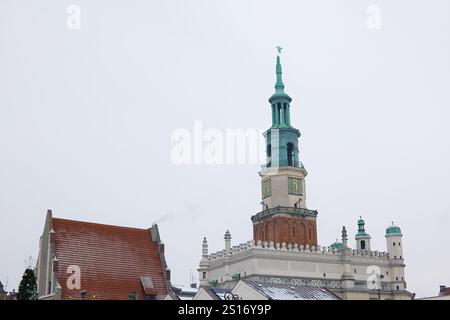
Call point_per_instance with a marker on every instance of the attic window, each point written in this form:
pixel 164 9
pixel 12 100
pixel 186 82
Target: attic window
pixel 148 287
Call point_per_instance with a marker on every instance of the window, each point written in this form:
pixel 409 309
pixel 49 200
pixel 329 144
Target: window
pixel 204 275
pixel 387 273
pixel 290 154
pixel 310 233
pixel 395 257
pixel 280 113
pixel 363 245
pixel 396 278
pixel 398 288
pixel 355 270
pixel 399 244
pixel 394 244
pixel 324 275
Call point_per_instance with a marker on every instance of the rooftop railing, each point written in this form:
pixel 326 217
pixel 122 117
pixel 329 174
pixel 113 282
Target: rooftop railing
pixel 286 210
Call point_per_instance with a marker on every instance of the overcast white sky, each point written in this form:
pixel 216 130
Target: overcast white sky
pixel 86 118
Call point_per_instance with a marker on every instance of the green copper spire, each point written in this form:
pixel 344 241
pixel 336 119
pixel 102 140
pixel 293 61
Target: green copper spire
pixel 279 86
pixel 282 137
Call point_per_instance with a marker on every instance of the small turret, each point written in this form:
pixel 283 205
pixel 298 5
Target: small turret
pixel 205 248
pixel 204 264
pixel 336 245
pixel 227 243
pixel 394 242
pixel 362 237
pixel 395 251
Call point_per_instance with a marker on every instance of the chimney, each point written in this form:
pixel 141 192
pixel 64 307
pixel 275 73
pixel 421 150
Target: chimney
pixel 442 290
pixel 161 247
pixel 167 274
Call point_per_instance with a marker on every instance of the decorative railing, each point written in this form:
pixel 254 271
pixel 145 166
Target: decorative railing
pixel 295 247
pixel 286 210
pixel 285 163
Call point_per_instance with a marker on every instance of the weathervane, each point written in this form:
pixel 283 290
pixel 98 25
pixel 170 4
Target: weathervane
pixel 279 49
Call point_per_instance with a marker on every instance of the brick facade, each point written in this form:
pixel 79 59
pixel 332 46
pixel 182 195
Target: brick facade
pixel 286 229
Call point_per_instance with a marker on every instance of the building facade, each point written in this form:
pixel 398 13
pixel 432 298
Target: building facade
pixel 91 261
pixel 285 249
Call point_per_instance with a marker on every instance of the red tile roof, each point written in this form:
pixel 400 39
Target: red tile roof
pixel 112 259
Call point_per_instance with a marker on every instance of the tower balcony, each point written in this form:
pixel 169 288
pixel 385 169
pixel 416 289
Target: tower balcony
pixel 292 211
pixel 296 164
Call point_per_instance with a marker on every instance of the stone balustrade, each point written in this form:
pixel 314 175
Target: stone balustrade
pixel 295 247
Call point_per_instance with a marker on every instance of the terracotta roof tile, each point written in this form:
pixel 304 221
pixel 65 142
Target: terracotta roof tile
pixel 112 259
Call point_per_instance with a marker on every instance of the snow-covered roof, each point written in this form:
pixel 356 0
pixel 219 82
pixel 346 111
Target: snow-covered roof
pixel 220 292
pixel 275 291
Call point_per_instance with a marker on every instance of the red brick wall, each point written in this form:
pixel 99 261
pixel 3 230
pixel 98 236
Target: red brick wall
pixel 284 229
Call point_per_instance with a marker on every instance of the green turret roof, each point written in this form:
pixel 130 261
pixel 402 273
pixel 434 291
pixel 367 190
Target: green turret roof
pixel 393 229
pixel 336 245
pixel 361 231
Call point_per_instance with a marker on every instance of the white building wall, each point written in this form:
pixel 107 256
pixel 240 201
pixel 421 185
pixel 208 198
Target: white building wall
pixel 252 259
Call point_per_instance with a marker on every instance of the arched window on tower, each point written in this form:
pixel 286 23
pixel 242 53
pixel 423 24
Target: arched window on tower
pixel 363 245
pixel 290 154
pixel 269 155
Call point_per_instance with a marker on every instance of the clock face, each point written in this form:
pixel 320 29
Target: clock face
pixel 266 189
pixel 295 186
